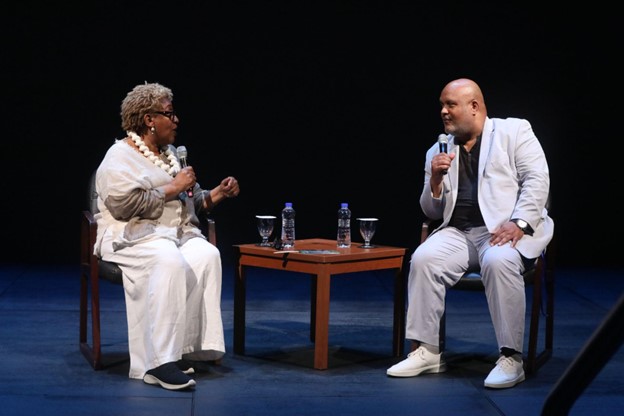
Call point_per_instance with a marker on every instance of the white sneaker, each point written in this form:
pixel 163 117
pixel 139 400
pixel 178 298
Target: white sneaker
pixel 419 361
pixel 507 373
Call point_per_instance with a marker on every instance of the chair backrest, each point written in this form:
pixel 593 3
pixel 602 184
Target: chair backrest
pixel 92 195
pixel 106 270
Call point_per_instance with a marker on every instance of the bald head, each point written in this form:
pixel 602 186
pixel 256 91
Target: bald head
pixel 463 109
pixel 467 89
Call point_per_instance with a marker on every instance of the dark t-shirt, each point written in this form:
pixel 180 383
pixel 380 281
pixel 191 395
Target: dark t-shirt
pixel 467 214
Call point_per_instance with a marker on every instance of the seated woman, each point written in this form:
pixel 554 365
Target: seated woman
pixel 148 225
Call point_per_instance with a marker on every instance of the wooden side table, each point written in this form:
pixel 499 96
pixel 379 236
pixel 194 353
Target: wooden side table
pixel 318 258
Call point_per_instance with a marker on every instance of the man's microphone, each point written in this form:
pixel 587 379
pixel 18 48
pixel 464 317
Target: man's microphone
pixel 443 142
pixel 182 154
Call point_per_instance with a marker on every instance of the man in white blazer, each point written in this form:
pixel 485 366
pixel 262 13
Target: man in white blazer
pixel 490 190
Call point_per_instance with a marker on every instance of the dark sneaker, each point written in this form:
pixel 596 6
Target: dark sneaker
pixel 169 376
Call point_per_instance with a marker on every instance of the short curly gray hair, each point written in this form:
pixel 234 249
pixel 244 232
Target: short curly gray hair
pixel 143 99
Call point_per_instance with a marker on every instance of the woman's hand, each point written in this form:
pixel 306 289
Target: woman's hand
pixel 185 179
pixel 229 187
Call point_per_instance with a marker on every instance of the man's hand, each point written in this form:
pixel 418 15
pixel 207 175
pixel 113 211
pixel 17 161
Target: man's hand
pixel 509 232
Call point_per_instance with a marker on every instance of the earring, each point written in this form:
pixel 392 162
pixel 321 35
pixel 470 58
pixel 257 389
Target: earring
pixel 153 129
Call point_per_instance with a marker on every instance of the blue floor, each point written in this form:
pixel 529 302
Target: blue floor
pixel 44 372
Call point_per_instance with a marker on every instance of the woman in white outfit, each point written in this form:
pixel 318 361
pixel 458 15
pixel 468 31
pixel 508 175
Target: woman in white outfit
pixel 148 225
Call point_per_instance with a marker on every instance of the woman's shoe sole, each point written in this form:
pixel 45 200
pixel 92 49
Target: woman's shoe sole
pixel 150 379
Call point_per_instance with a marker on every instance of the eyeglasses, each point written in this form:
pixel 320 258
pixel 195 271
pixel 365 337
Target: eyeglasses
pixel 171 115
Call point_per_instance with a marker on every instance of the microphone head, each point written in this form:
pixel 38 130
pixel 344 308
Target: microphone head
pixel 182 153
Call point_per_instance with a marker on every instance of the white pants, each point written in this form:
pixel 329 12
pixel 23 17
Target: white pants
pixel 439 263
pixel 173 301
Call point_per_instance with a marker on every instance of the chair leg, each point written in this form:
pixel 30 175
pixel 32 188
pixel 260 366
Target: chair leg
pixel 95 321
pixel 543 282
pixel 550 306
pixel 84 282
pixel 93 353
pixel 442 335
pixel 531 364
pixel 549 285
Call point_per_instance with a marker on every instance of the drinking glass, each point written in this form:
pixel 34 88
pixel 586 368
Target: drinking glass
pixel 265 223
pixel 367 230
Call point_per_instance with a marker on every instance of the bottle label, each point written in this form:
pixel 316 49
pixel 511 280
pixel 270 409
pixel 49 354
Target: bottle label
pixel 288 232
pixel 344 232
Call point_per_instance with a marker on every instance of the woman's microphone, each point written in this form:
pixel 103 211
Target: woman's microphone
pixel 182 154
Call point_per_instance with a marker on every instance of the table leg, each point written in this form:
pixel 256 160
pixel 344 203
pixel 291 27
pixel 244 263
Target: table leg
pixel 313 281
pixel 398 331
pixel 240 290
pixel 321 321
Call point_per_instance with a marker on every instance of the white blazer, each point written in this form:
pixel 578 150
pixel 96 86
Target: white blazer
pixel 513 182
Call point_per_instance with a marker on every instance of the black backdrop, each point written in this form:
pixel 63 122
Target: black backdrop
pixel 302 102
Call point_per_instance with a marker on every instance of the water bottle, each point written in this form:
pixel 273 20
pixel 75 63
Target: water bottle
pixel 343 239
pixel 288 226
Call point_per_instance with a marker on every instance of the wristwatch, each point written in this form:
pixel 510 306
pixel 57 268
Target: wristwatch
pixel 523 225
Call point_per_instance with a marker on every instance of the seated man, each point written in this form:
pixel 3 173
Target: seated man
pixel 490 190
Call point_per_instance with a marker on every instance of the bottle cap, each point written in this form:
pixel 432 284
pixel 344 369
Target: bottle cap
pixel 344 205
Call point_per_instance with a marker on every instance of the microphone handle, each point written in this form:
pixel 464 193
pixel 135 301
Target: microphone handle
pixel 444 149
pixel 183 163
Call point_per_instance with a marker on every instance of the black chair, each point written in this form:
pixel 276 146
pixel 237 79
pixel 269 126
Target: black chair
pixel 93 268
pixel 541 278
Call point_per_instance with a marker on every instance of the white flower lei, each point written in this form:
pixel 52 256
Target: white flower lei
pixel 172 168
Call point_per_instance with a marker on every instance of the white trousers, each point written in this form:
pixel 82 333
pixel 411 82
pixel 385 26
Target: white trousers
pixel 439 263
pixel 173 301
